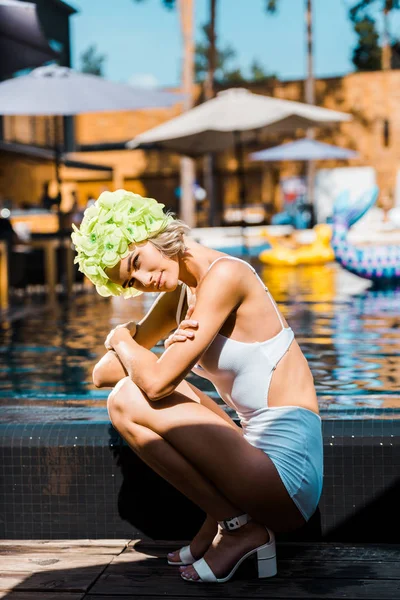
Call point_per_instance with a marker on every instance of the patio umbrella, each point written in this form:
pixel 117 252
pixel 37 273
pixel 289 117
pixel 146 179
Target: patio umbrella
pixel 234 117
pixel 54 90
pixel 303 150
pixel 60 91
pixel 22 43
pixel 213 126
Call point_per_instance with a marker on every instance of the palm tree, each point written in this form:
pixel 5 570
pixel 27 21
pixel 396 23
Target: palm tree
pixel 209 91
pixel 187 174
pixel 272 7
pixel 309 91
pixel 360 10
pixel 212 49
pixel 188 212
pixel 209 88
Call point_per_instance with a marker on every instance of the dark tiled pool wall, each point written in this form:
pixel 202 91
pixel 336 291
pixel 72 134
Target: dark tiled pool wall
pixel 75 481
pixel 80 481
pixel 361 492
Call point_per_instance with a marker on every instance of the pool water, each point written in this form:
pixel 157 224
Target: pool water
pixel 349 334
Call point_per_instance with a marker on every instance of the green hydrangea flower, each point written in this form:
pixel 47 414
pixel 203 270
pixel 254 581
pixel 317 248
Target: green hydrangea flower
pixel 116 220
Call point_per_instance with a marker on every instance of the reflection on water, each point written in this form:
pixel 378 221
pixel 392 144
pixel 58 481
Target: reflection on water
pixel 349 334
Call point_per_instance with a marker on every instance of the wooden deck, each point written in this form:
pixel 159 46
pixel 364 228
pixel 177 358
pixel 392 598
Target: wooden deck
pixel 114 569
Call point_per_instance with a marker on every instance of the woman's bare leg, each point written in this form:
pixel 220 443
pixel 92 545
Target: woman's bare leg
pixel 207 532
pixel 158 453
pixel 162 458
pixel 218 469
pixel 107 372
pixel 177 470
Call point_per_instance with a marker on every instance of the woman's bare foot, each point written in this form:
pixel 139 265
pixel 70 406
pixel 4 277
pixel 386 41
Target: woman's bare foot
pixel 200 542
pixel 228 547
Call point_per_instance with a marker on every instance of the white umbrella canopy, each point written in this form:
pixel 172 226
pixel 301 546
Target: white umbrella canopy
pixel 54 90
pixel 214 125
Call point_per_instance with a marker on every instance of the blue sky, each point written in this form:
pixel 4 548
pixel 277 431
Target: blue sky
pixel 142 40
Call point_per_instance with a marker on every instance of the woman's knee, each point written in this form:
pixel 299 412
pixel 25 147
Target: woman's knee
pixel 121 401
pixel 108 371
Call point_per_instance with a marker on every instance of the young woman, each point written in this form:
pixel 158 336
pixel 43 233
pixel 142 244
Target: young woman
pixel 251 480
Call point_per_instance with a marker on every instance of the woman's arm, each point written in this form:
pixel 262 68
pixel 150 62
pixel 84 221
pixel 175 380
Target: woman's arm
pixel 156 325
pixel 220 293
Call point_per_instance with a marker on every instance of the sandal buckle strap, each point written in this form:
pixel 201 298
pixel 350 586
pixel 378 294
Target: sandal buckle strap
pixel 234 523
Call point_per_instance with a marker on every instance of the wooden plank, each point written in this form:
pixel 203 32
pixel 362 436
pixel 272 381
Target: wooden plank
pixel 62 547
pixel 69 543
pixel 12 595
pixel 333 551
pixel 300 569
pixel 66 572
pixel 272 589
pixel 45 562
pixel 293 551
pixel 138 568
pixel 11 579
pixel 46 581
pixel 135 574
pixel 304 570
pixel 158 543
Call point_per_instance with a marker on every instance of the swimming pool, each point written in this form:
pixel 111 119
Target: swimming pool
pixel 65 472
pixel 349 335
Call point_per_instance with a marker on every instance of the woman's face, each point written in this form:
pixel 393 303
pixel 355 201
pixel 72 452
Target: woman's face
pixel 146 269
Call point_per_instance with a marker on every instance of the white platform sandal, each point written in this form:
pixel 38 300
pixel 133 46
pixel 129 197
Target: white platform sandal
pixel 266 556
pixel 186 557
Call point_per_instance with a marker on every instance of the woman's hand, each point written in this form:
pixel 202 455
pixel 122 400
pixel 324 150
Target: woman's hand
pixel 184 330
pixel 110 340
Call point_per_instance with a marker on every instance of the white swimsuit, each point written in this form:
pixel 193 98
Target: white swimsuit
pixel 290 435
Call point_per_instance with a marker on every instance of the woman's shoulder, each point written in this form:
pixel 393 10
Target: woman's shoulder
pixel 226 275
pixel 228 267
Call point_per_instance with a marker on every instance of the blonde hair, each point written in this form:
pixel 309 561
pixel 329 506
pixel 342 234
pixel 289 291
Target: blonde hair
pixel 170 241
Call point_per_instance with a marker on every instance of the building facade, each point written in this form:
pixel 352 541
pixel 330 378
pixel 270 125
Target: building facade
pixel 24 165
pixel 372 98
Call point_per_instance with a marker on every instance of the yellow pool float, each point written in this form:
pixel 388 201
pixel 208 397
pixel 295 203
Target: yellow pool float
pixel 317 253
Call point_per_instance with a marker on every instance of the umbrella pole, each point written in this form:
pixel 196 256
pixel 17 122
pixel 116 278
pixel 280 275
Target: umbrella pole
pixel 209 184
pixel 57 164
pixel 310 96
pixel 310 186
pixel 241 183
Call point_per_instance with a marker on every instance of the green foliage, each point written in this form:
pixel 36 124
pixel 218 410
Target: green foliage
pixel 271 5
pixel 201 61
pixel 225 72
pixel 359 10
pixel 367 54
pixel 92 62
pixel 167 3
pixel 233 76
pixel 257 71
pixel 396 55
